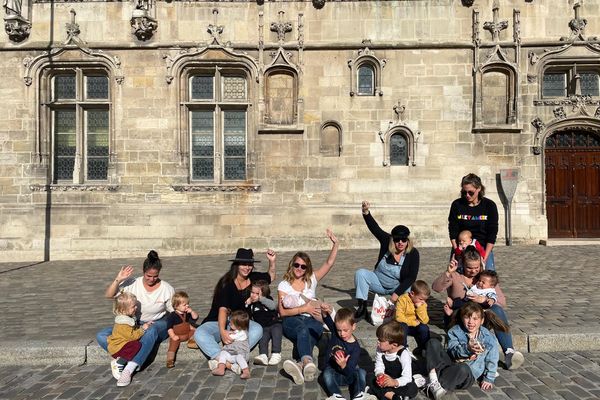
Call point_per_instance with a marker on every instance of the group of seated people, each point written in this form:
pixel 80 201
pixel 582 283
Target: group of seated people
pixel 243 314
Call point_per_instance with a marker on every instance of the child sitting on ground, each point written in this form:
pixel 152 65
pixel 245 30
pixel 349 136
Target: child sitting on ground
pixel 263 309
pixel 235 355
pixel 486 282
pixel 393 369
pixel 472 353
pixel 179 326
pixel 411 313
pixel 343 352
pixel 123 343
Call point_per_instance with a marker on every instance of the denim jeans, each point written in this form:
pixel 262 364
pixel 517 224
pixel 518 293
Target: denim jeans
pixel 156 333
pixel 366 280
pixel 419 332
pixel 304 332
pixel 208 337
pixel 356 382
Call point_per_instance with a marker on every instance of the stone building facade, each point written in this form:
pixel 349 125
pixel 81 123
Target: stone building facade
pixel 198 127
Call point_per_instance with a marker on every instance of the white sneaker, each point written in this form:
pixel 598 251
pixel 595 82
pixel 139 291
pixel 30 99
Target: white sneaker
pixel 309 371
pixel 293 369
pixel 369 396
pixel 116 369
pixel 335 396
pixel 212 364
pixel 261 359
pixel 236 369
pixel 124 379
pixel 275 359
pixel 436 390
pixel 419 380
pixel 359 396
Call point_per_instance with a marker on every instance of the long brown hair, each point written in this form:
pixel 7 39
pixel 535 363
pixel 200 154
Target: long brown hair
pixel 490 319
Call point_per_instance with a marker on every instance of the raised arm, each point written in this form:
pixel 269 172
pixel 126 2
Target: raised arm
pixel 326 267
pixel 271 256
pixel 373 226
pixel 112 289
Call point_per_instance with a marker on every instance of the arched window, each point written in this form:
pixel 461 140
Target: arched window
pixel 570 139
pixel 398 149
pixel 366 80
pixel 563 80
pixel 331 139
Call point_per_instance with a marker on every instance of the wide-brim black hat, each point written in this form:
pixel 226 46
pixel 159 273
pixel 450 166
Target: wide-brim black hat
pixel 400 232
pixel 244 256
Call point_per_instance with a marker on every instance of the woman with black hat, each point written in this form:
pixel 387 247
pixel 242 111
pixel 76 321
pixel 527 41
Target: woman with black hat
pixel 396 268
pixel 230 294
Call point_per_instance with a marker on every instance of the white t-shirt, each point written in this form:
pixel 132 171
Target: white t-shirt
pixel 154 305
pixel 309 291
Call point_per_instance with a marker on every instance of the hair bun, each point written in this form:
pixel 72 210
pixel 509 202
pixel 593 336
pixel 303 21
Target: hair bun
pixel 153 255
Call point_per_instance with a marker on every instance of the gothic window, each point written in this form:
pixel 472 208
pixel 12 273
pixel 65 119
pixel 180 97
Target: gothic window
pixel 281 97
pixel 217 107
pixel 568 80
pixel 79 120
pixel 570 139
pixel 398 149
pixel 496 101
pixel 366 80
pixel 366 73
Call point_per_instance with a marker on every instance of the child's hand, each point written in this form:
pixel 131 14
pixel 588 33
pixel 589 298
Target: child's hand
pixel 486 385
pixel 175 337
pixel 326 308
pixel 147 325
pixel 388 381
pixel 341 360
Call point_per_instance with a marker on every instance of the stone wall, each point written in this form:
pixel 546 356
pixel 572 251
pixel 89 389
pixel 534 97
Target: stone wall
pixel 428 52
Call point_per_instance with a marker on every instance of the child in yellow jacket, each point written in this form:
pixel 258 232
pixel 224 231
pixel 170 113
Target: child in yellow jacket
pixel 411 312
pixel 123 343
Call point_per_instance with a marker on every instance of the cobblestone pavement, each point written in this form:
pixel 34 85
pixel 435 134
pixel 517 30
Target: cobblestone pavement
pixel 573 375
pixel 549 289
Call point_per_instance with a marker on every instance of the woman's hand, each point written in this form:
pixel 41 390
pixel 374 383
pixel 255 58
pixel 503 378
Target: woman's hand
pixel 312 308
pixel 452 266
pixel 365 207
pixel 331 236
pixel 477 298
pixel 225 338
pixel 271 255
pixel 486 385
pixel 124 273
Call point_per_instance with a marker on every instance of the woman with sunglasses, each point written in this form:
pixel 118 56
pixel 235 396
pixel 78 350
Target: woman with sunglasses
pixel 476 213
pixel 303 325
pixel 396 269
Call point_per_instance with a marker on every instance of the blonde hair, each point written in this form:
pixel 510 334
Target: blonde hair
pixel 179 297
pixel 420 287
pixel 123 302
pixel 289 274
pixel 392 246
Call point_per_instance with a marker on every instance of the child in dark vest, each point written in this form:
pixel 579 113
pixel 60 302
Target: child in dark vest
pixel 179 326
pixel 263 309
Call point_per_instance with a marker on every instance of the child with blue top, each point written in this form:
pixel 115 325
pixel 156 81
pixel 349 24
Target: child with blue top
pixel 343 352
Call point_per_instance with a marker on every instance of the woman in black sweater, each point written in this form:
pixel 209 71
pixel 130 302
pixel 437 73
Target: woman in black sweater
pixel 396 268
pixel 476 213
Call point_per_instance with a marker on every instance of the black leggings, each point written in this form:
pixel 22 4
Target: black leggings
pixel 450 375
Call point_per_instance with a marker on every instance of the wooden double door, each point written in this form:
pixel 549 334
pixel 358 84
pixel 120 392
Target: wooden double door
pixel 573 184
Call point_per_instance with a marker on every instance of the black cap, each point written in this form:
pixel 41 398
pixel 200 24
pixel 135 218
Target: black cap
pixel 400 232
pixel 244 256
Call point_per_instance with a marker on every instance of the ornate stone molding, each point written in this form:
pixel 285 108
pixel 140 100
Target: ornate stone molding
pixel 17 28
pixel 399 125
pixel 74 188
pixel 73 42
pixel 559 113
pixel 539 126
pixel 576 101
pixel 495 26
pixel 577 26
pixel 216 188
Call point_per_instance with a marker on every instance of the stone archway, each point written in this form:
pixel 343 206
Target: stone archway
pixel 572 171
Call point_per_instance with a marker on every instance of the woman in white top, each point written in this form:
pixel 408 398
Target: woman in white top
pixel 299 323
pixel 154 297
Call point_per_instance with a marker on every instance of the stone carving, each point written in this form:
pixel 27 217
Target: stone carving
pixel 495 26
pixel 597 113
pixel 215 30
pixel 318 4
pixel 399 110
pixel 74 188
pixel 467 3
pixel 577 26
pixel 215 188
pixel 539 126
pixel 576 101
pixel 143 27
pixel 517 26
pixel 475 18
pixel 281 28
pixel 12 7
pixel 559 113
pixel 17 27
pixel 73 30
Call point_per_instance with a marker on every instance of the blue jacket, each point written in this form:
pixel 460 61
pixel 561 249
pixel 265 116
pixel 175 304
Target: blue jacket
pixel 486 363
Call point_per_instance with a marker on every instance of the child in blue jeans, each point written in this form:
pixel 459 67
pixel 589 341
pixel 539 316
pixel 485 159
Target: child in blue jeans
pixel 343 352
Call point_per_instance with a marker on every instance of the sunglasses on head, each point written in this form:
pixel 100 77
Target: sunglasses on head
pixel 298 265
pixel 397 239
pixel 471 193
